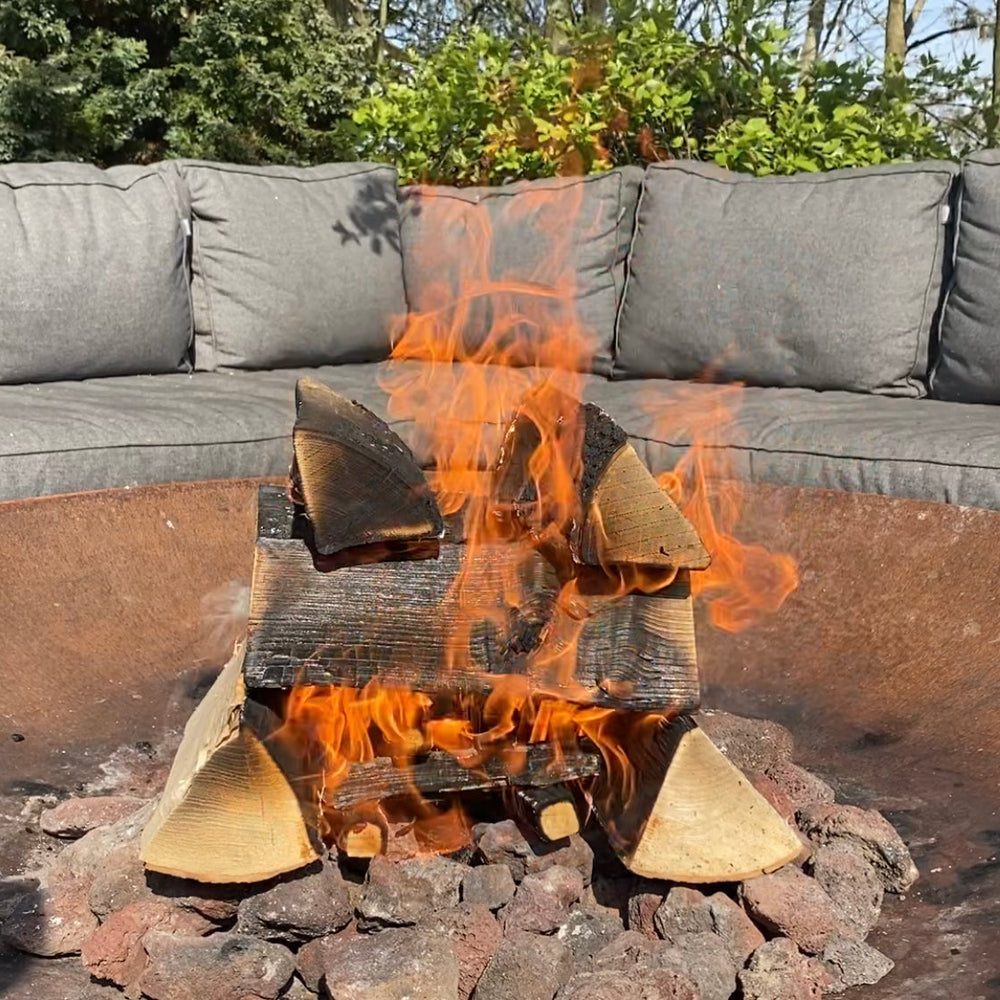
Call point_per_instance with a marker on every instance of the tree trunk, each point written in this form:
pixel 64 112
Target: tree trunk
pixel 895 39
pixel 814 31
pixel 595 10
pixel 993 117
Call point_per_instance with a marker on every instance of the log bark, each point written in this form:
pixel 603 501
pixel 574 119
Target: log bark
pixel 228 812
pixel 402 623
pixel 692 816
pixel 358 481
pixel 550 810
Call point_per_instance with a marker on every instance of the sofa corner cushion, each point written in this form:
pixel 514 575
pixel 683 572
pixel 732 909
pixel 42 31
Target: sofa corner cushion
pixel 293 265
pixel 93 273
pixel 822 281
pixel 537 257
pixel 968 365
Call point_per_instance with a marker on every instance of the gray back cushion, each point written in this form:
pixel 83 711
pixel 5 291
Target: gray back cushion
pixel 294 265
pixel 968 367
pixel 479 255
pixel 93 277
pixel 827 281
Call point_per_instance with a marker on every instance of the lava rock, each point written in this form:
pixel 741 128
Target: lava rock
pixel 871 831
pixel 801 787
pixel 790 904
pixel 751 744
pixel 88 855
pixel 504 844
pixel 402 963
pixel 490 885
pixel 115 952
pixel 779 971
pixel 475 937
pixel 648 984
pixel 854 963
pixel 609 894
pixel 526 967
pixel 704 959
pixel 647 897
pixel 772 791
pixel 542 901
pixel 53 919
pixel 312 958
pixel 683 911
pixel 73 818
pixel 400 893
pixel 853 885
pixel 220 967
pixel 630 950
pixel 586 933
pixel 687 911
pixel 298 909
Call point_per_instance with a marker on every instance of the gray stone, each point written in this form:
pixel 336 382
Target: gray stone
pixel 648 984
pixel 542 902
pixel 586 933
pixel 401 893
pixel 504 844
pixel 299 908
pixel 220 967
pixel 854 963
pixel 490 885
pixel 683 911
pixel 789 903
pixel 779 971
pixel 52 920
pixel 687 911
pixel 73 818
pixel 311 959
pixel 525 967
pixel 702 957
pixel 871 831
pixel 646 898
pixel 630 950
pixel 853 885
pixel 401 963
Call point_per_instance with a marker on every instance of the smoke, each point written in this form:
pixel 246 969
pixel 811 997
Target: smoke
pixel 225 612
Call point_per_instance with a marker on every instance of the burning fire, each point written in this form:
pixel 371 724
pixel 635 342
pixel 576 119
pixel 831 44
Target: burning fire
pixel 492 344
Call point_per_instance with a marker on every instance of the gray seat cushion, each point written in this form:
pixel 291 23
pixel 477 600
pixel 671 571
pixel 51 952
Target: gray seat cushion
pixel 293 265
pixel 93 272
pixel 825 281
pixel 63 437
pixel 968 367
pixel 475 256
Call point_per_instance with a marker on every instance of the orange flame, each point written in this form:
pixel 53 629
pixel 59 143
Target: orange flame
pixel 491 340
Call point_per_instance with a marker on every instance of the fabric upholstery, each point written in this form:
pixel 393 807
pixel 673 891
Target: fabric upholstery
pixel 93 275
pixel 968 367
pixel 824 281
pixel 101 433
pixel 293 266
pixel 478 254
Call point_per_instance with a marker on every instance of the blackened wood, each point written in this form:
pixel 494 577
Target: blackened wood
pixel 401 622
pixel 441 773
pixel 275 512
pixel 359 482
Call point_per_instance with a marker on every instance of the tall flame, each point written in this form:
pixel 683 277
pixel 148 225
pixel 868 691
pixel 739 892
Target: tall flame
pixel 489 340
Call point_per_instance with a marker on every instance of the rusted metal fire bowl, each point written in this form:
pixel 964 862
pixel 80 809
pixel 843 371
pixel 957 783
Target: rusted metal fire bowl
pixel 885 664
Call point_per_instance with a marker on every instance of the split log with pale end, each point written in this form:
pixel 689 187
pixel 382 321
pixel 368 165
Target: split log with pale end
pixel 360 831
pixel 358 481
pixel 228 812
pixel 692 815
pixel 550 810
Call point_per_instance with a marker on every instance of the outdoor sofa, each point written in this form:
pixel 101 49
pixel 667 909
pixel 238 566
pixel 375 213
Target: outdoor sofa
pixel 154 319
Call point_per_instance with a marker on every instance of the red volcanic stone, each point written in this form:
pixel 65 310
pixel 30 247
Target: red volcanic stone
pixel 313 957
pixel 525 967
pixel 219 967
pixel 490 885
pixel 52 919
pixel 504 844
pixel 630 950
pixel 647 897
pixel 299 908
pixel 791 904
pixel 401 963
pixel 73 818
pixel 542 901
pixel 401 893
pixel 774 794
pixel 779 971
pixel 648 984
pixel 586 932
pixel 475 937
pixel 853 885
pixel 800 787
pixel 683 911
pixel 687 911
pixel 751 744
pixel 114 952
pixel 704 958
pixel 869 830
